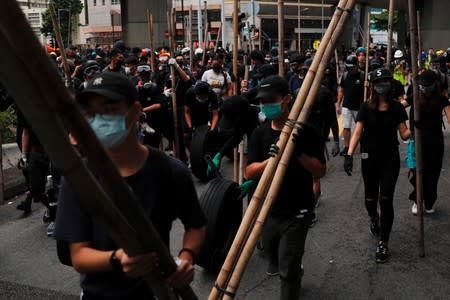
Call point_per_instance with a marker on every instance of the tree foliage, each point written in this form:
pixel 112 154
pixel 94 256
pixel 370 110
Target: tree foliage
pixel 381 20
pixel 67 9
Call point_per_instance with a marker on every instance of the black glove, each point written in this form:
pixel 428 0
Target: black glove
pixel 274 150
pixel 348 164
pixel 299 141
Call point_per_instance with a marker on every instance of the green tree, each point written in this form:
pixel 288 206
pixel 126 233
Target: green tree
pixel 380 21
pixel 67 10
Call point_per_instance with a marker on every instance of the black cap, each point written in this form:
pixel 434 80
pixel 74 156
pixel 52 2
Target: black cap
pixel 111 85
pixel 234 110
pixel 272 87
pixel 265 71
pixel 307 64
pixel 297 58
pixel 427 78
pixel 378 74
pixel 201 88
pixel 132 60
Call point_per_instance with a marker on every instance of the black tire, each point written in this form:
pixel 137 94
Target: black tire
pixel 223 210
pixel 203 142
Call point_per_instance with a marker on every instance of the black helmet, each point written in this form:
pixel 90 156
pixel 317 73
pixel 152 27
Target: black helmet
pixel 91 68
pixel 374 64
pixel 378 74
pixel 307 64
pixel 351 61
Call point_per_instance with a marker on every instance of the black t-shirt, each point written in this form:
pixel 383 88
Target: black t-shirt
pixel 353 85
pixel 319 110
pixel 296 193
pixel 150 96
pixel 74 224
pixel 380 127
pixel 397 89
pixel 200 112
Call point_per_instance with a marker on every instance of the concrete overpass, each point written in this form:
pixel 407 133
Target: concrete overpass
pixel 434 14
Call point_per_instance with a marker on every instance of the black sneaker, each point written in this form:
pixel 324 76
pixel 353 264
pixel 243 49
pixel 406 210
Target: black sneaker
pixel 374 227
pixel 25 205
pixel 382 253
pixel 272 270
pixel 46 217
pixel 344 151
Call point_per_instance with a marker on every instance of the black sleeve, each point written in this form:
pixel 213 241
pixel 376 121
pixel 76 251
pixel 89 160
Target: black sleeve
pixel 313 144
pixel 255 151
pixel 212 98
pixel 362 113
pixel 233 141
pixel 187 205
pixel 444 102
pixel 401 115
pixel 189 97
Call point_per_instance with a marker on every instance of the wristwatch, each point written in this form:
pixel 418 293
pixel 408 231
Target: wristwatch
pixel 115 262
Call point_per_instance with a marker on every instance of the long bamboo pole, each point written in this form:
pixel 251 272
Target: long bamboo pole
pixel 419 40
pixel 281 38
pixel 285 159
pixel 2 182
pixel 205 49
pixel 176 141
pixel 218 37
pixel 417 131
pixel 151 40
pixel 366 73
pixel 299 25
pixel 262 188
pixel 390 21
pixel 235 83
pixel 191 56
pixel 50 113
pixel 58 37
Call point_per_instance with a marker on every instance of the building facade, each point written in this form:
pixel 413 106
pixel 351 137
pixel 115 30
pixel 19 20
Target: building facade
pixel 33 12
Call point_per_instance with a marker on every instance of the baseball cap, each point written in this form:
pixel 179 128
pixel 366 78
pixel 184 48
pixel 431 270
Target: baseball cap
pixel 201 88
pixel 265 71
pixel 272 87
pixel 111 85
pixel 378 74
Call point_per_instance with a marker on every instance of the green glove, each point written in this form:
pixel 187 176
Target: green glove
pixel 216 161
pixel 247 186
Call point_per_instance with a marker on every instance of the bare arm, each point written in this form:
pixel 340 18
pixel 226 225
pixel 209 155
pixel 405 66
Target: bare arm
pixel 447 113
pixel 187 116
pixel 25 140
pixel 404 131
pixel 340 97
pixel 152 107
pixel 355 137
pixel 215 119
pixel 255 170
pixel 312 165
pixel 183 74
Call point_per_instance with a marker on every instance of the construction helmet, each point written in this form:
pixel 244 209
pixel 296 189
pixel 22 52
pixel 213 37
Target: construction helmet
pixel 398 54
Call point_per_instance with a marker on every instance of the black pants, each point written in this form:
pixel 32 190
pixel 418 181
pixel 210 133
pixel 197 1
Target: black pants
pixel 284 242
pixel 380 172
pixel 432 157
pixel 38 171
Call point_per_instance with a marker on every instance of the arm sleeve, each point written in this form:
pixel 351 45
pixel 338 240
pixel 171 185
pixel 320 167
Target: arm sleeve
pixel 362 113
pixel 255 151
pixel 402 115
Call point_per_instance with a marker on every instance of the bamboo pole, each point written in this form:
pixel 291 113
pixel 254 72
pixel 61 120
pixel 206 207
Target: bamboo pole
pixel 151 40
pixel 176 141
pixel 417 131
pixel 206 44
pixel 68 76
pixel 218 37
pixel 258 197
pixel 284 162
pixel 419 40
pixel 261 35
pixel 299 25
pixel 390 21
pixel 50 112
pixel 366 74
pixel 281 38
pixel 191 56
pixel 241 144
pixel 235 83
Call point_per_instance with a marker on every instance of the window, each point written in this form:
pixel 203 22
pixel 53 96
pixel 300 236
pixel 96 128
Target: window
pixel 115 2
pixel 34 18
pixel 103 2
pixel 95 2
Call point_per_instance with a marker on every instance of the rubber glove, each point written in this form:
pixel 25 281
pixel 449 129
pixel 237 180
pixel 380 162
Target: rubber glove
pixel 348 164
pixel 216 161
pixel 247 186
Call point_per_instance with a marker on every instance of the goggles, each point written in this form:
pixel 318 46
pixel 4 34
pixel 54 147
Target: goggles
pixel 92 70
pixel 143 68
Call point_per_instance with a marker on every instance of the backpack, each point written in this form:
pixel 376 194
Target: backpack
pixel 158 160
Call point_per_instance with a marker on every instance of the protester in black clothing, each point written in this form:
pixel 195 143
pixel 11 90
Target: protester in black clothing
pixel 376 127
pixel 286 228
pixel 350 96
pixel 117 60
pixel 201 106
pixel 110 99
pixel 264 71
pixel 431 104
pixel 90 69
pixel 295 80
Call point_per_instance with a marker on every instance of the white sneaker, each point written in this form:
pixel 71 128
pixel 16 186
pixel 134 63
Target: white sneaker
pixel 429 211
pixel 414 209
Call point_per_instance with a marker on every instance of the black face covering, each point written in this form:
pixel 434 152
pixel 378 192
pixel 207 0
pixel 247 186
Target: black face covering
pixel 382 88
pixel 217 68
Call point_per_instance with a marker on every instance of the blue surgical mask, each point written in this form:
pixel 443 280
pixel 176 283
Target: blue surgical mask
pixel 109 129
pixel 272 111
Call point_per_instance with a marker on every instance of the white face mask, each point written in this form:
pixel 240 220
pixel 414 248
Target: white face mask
pixel 127 70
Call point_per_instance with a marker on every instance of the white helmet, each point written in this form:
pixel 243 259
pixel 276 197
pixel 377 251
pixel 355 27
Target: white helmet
pixel 398 54
pixel 185 50
pixel 198 51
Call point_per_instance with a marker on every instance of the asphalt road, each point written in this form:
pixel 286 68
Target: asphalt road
pixel 339 259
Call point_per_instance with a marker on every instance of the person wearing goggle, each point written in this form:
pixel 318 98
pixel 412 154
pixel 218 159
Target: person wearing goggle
pixel 90 69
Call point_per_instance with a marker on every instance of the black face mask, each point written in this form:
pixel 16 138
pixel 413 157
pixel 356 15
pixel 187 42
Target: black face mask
pixel 217 68
pixel 382 88
pixel 119 63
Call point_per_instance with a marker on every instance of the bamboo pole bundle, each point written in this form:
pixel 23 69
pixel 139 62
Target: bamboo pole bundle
pixel 52 111
pixel 58 37
pixel 221 286
pixel 390 21
pixel 366 73
pixel 417 131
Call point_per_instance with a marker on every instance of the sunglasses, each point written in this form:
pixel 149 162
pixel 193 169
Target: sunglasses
pixel 143 68
pixel 92 70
